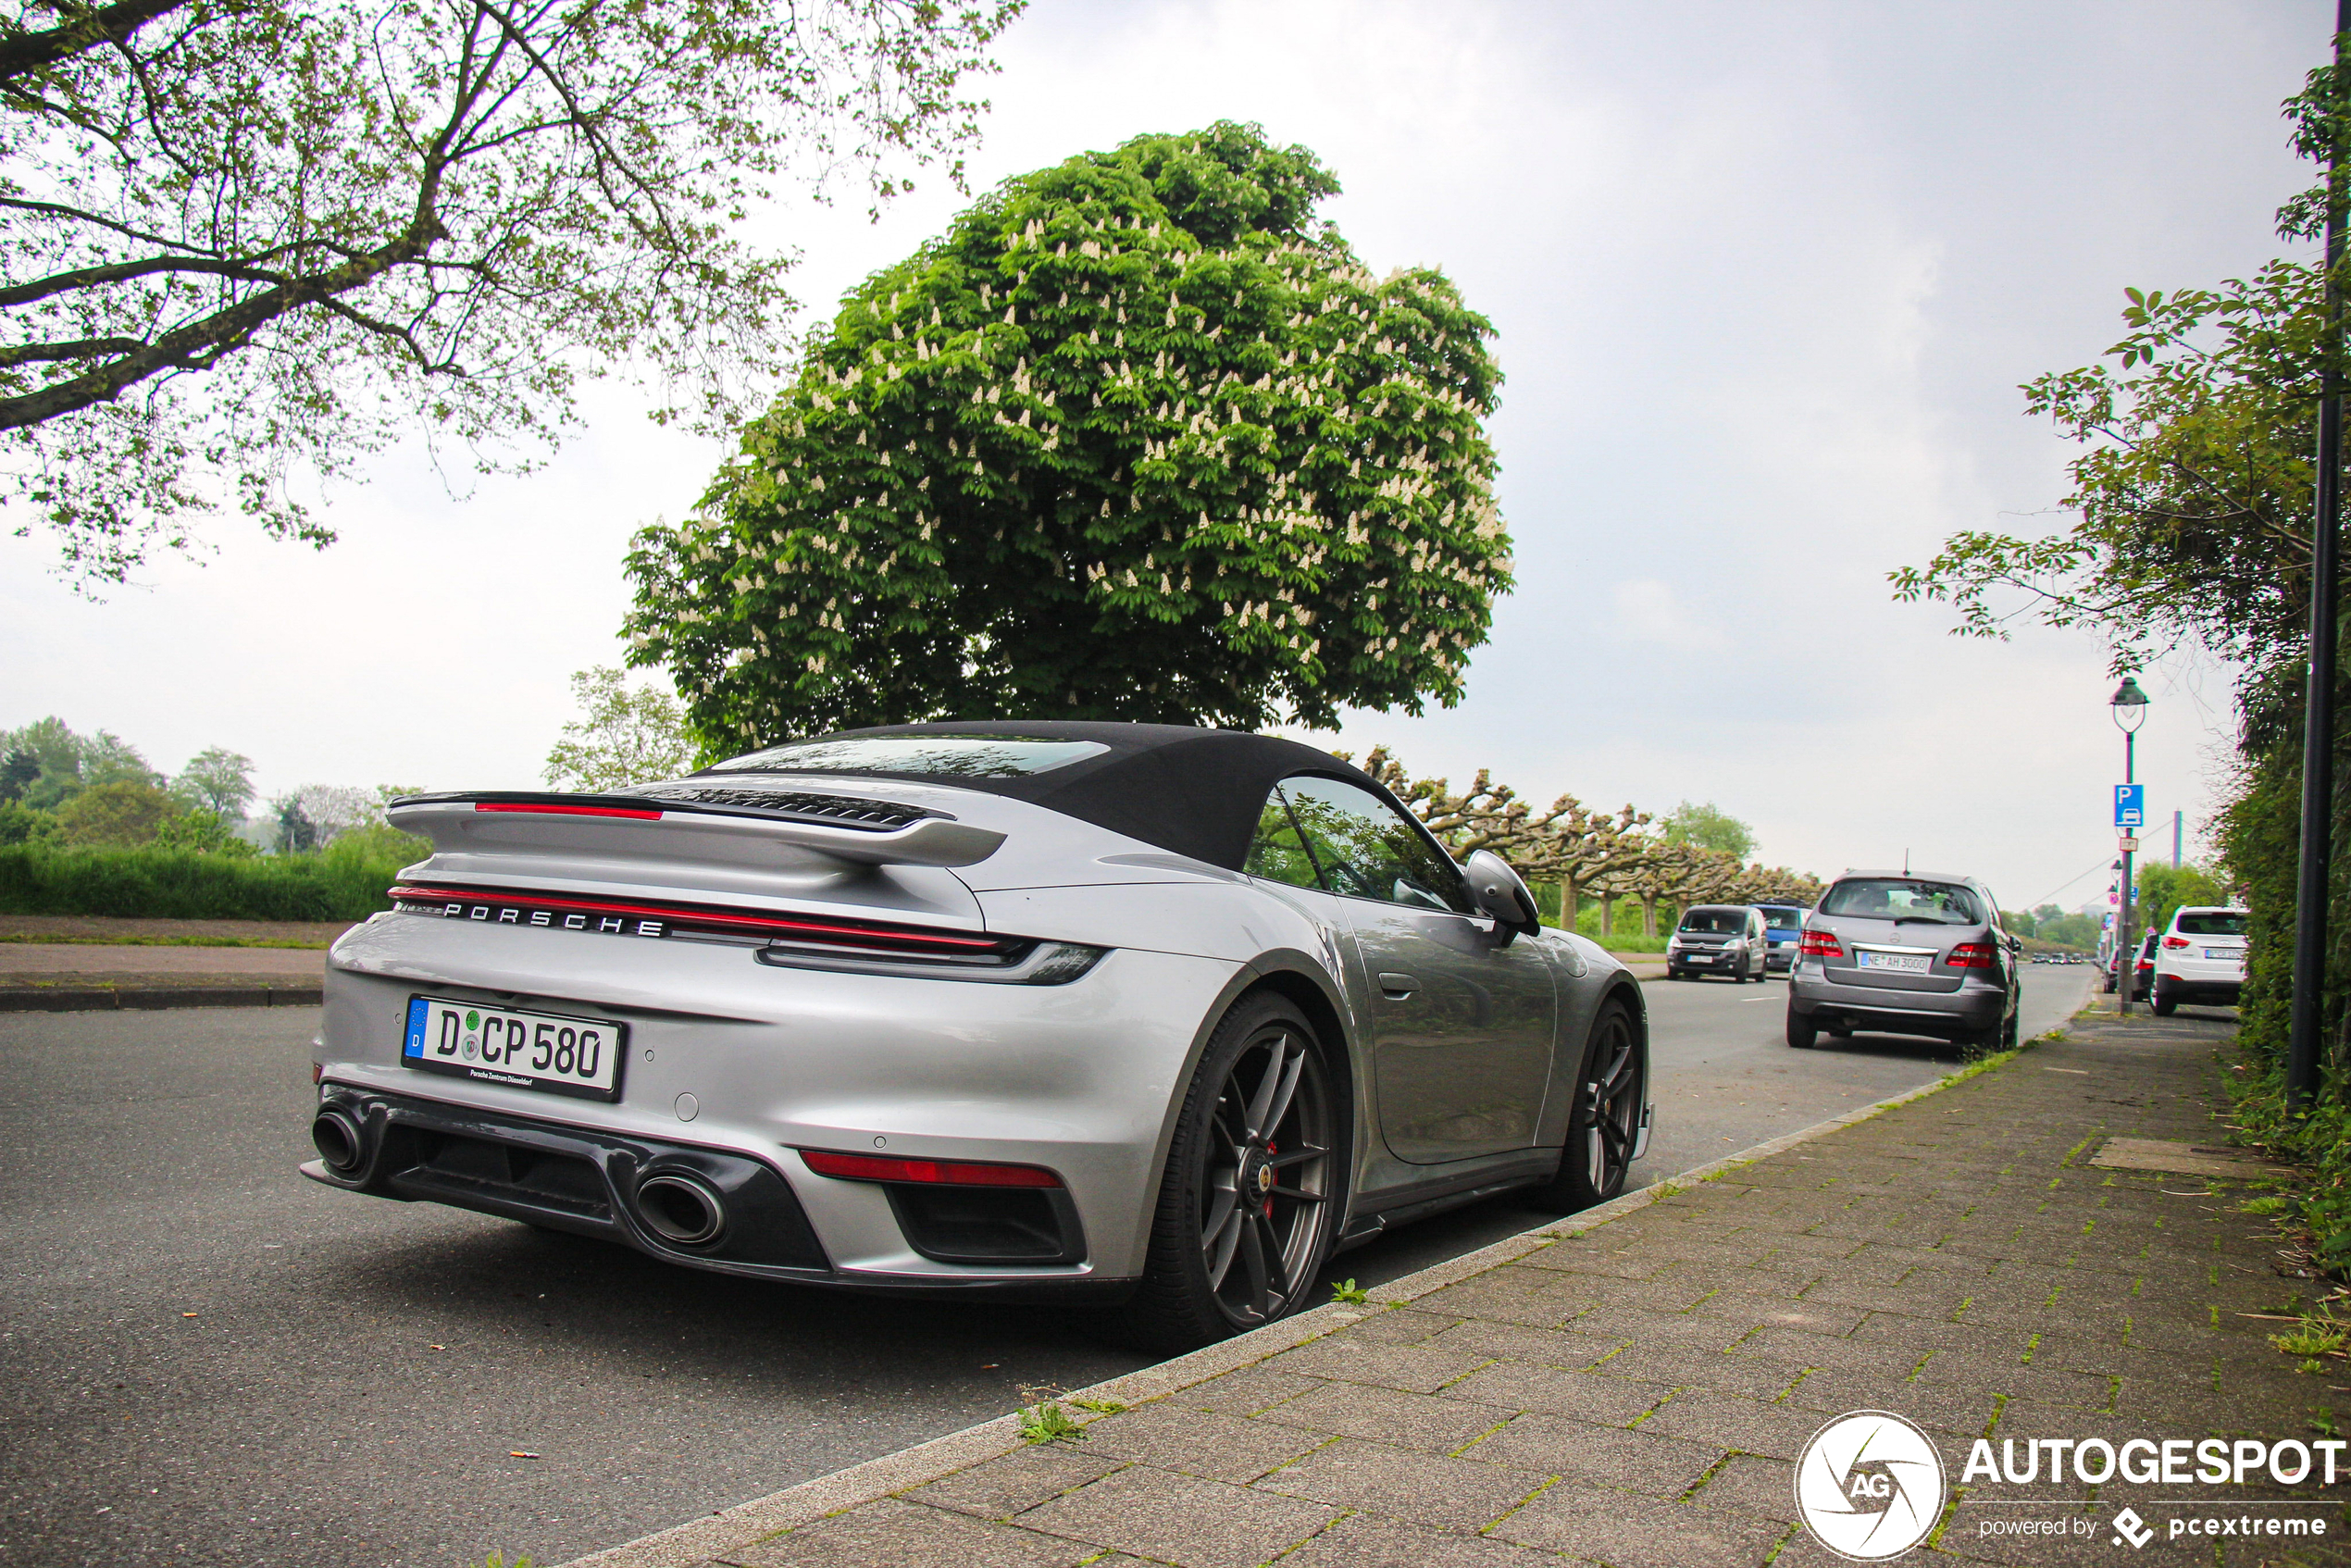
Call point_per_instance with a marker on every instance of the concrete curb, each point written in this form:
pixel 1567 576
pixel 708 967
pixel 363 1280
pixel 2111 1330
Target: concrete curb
pixel 84 999
pixel 685 1546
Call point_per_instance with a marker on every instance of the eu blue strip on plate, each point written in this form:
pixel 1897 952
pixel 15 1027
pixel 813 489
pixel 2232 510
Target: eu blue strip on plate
pixel 417 1009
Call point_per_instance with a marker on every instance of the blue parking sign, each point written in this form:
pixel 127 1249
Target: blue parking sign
pixel 2130 805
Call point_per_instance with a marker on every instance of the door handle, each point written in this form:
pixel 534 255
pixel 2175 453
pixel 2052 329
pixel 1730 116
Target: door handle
pixel 1396 987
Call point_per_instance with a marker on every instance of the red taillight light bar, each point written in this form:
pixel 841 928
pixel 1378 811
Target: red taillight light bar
pixel 780 927
pixel 1820 944
pixel 936 1173
pixel 2175 941
pixel 1970 955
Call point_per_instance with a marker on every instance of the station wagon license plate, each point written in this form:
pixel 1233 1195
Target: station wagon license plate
pixel 1898 963
pixel 500 1045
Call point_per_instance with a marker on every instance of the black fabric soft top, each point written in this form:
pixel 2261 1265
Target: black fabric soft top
pixel 1191 791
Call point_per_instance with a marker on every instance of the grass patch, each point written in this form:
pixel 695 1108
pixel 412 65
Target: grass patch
pixel 1046 1422
pixel 339 883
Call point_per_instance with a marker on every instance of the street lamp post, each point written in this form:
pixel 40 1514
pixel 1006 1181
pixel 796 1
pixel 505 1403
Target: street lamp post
pixel 2128 706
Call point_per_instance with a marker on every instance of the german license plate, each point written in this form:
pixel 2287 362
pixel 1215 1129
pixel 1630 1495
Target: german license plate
pixel 2219 953
pixel 1898 963
pixel 499 1045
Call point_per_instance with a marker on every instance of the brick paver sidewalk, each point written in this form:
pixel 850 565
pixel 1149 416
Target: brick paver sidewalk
pixel 1633 1391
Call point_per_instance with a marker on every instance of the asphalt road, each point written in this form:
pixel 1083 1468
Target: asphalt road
pixel 204 1359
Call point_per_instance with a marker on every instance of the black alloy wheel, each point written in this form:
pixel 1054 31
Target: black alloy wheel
pixel 1248 1205
pixel 1606 1119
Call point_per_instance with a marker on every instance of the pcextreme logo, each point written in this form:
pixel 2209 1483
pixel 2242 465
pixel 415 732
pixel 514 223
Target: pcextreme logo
pixel 1870 1486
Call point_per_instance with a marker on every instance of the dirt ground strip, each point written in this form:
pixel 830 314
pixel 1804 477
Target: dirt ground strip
pixel 1637 1394
pixel 107 928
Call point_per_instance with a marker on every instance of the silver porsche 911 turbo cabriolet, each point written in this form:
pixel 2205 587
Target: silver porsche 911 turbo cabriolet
pixel 1150 1018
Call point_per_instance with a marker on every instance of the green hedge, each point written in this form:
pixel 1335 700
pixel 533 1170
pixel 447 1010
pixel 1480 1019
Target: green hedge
pixel 159 884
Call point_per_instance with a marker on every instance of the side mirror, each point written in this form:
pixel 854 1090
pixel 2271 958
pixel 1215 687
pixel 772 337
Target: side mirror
pixel 1501 895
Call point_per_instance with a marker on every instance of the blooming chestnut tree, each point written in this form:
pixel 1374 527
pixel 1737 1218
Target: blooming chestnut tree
pixel 1138 438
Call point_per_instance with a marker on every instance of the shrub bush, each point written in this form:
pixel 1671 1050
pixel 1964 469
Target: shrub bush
pixel 175 884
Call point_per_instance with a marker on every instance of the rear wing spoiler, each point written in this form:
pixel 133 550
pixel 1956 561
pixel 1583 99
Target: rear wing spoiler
pixel 903 836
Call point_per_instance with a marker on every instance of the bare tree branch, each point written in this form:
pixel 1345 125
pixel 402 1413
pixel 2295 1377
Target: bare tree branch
pixel 23 53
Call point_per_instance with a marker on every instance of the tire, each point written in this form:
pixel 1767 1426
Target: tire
pixel 1802 1033
pixel 1605 1120
pixel 2166 1001
pixel 2008 1031
pixel 1259 1109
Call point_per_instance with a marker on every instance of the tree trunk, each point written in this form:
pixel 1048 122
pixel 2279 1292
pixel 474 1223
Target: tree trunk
pixel 1649 915
pixel 1567 903
pixel 1608 914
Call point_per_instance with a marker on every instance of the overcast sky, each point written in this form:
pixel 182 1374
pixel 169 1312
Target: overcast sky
pixel 1766 278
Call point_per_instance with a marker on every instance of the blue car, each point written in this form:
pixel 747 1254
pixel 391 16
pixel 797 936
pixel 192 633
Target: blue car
pixel 1784 923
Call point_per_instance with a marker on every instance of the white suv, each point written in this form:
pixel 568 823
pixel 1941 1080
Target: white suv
pixel 2201 958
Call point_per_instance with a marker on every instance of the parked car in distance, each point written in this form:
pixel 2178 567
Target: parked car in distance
pixel 1914 953
pixel 1784 924
pixel 1718 939
pixel 2143 968
pixel 2200 958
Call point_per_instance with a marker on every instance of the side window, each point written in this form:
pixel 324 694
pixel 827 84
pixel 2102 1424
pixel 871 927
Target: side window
pixel 1276 852
pixel 1367 849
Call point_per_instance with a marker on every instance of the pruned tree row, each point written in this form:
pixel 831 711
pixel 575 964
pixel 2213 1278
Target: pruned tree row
pixel 1587 853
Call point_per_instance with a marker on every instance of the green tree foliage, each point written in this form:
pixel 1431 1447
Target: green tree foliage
pixel 2164 888
pixel 218 780
pixel 21 824
pixel 241 236
pixel 18 770
pixel 624 735
pixel 2193 498
pixel 1137 438
pixel 1710 827
pixel 295 833
pixel 202 831
pixel 120 813
pixel 2064 929
pixel 48 763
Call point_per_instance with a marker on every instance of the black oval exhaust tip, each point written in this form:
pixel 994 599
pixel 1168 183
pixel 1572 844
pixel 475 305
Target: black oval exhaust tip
pixel 339 1141
pixel 681 1209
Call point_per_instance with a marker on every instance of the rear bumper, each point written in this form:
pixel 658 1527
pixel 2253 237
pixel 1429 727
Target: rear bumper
pixel 573 1179
pixel 1973 1009
pixel 750 1063
pixel 2216 993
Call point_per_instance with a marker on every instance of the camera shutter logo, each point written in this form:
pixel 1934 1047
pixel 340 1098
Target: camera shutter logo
pixel 1870 1486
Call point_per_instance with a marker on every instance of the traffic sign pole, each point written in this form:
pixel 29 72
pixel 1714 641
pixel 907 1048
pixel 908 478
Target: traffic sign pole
pixel 2134 797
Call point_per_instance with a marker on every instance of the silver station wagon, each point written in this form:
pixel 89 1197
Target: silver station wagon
pixel 1895 952
pixel 1146 1018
